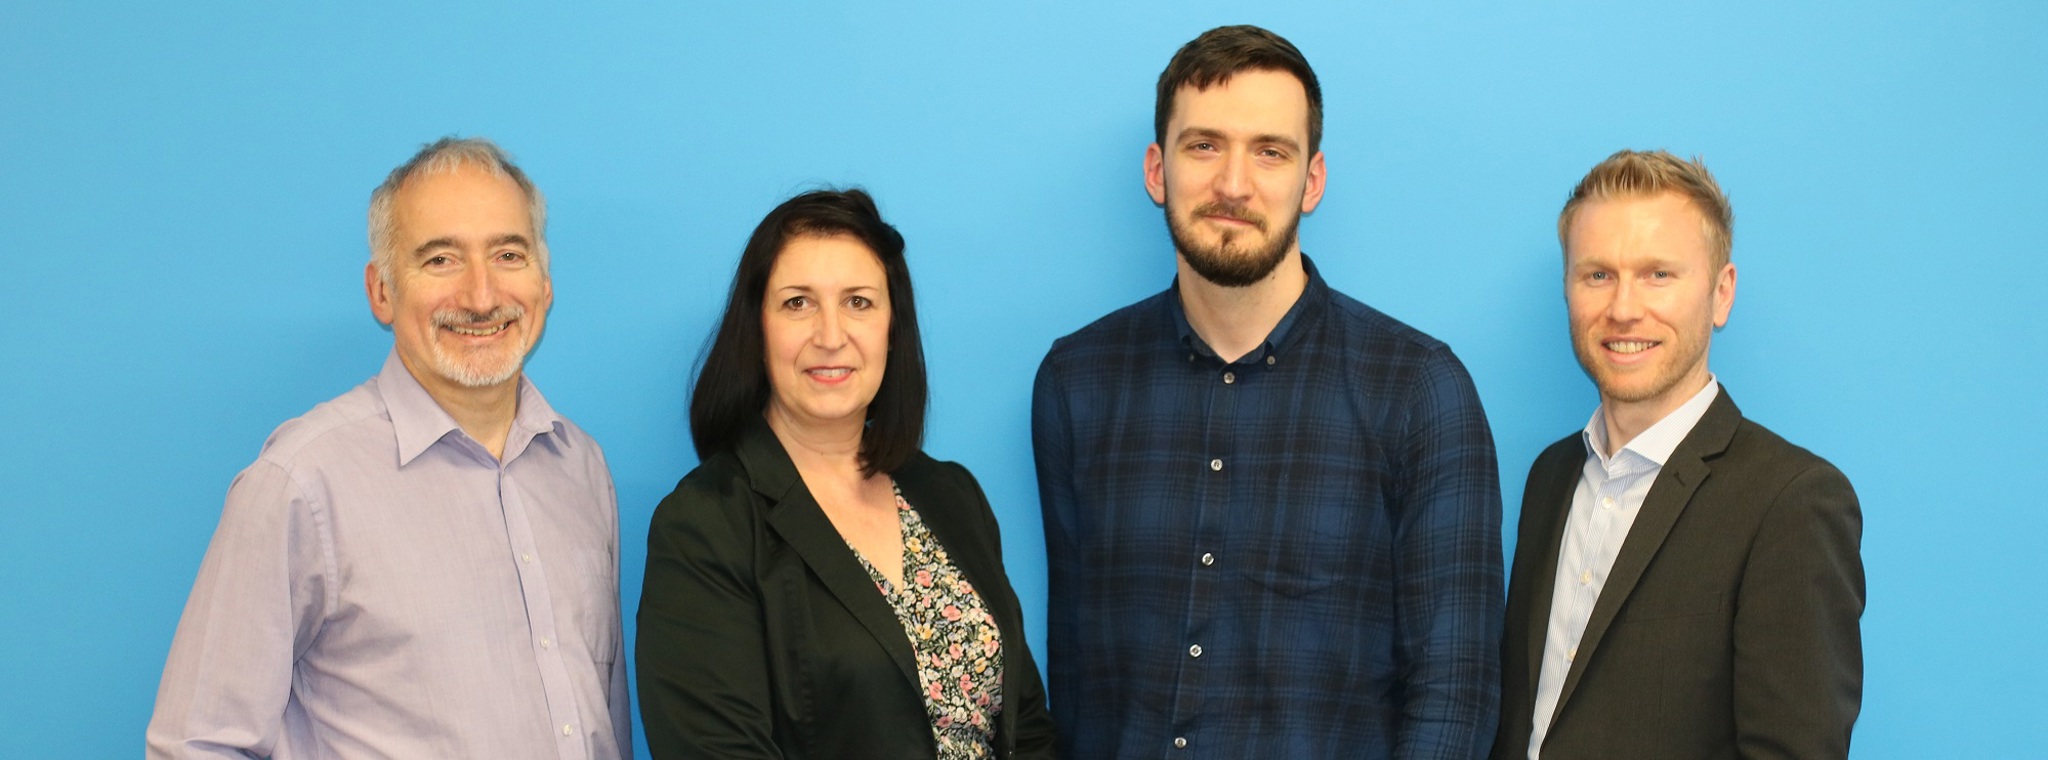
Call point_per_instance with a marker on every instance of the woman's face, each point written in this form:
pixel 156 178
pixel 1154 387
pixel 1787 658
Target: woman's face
pixel 825 319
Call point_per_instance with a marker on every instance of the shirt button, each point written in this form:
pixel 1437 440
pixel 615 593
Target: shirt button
pixel 1195 651
pixel 1180 742
pixel 1215 465
pixel 1585 577
pixel 528 557
pixel 1229 377
pixel 1269 361
pixel 1208 559
pixel 1607 502
pixel 545 643
pixel 1571 655
pixel 568 729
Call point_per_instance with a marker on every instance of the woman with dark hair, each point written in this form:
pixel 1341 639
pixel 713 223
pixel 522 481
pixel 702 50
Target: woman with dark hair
pixel 818 587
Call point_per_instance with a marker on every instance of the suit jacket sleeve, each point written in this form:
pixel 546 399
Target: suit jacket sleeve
pixel 1448 564
pixel 1798 646
pixel 704 680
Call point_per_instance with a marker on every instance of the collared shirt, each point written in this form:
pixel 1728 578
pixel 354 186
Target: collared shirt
pixel 381 586
pixel 1610 493
pixel 1292 555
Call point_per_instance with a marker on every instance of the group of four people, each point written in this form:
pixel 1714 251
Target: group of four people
pixel 1272 513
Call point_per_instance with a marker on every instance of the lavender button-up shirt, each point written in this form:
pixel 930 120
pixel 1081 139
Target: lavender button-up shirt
pixel 380 586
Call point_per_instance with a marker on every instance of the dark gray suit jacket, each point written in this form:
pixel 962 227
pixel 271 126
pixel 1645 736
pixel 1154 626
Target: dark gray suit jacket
pixel 761 636
pixel 1728 627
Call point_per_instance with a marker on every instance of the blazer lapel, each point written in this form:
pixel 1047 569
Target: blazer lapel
pixel 1669 494
pixel 1549 499
pixel 798 519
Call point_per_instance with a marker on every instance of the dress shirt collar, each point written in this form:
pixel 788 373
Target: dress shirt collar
pixel 1656 443
pixel 420 422
pixel 1310 306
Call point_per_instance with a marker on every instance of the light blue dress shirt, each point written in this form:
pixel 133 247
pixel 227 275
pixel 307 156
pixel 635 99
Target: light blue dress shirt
pixel 1604 507
pixel 381 586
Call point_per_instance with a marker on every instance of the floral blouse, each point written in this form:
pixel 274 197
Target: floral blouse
pixel 959 652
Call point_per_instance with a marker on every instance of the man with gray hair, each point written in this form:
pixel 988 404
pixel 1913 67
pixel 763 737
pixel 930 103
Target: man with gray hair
pixel 427 565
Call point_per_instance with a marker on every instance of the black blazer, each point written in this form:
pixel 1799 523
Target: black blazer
pixel 761 636
pixel 1728 627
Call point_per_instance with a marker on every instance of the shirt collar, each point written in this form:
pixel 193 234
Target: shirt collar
pixel 1656 443
pixel 1314 297
pixel 419 421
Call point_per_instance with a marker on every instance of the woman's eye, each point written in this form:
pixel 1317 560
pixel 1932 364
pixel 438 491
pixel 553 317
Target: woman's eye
pixel 796 302
pixel 859 302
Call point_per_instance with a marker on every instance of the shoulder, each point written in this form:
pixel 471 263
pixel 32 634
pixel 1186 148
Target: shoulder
pixel 926 472
pixel 1117 331
pixel 1386 338
pixel 341 425
pixel 1766 457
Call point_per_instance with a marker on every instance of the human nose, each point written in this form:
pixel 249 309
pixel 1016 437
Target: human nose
pixel 828 333
pixel 479 289
pixel 1233 178
pixel 1627 304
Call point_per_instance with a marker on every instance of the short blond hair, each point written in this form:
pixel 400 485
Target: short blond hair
pixel 1637 174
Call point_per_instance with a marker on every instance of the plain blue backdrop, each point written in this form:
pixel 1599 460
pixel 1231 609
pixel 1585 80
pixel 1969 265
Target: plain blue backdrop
pixel 182 189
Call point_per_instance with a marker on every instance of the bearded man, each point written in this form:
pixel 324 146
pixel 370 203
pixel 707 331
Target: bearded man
pixel 427 565
pixel 1272 513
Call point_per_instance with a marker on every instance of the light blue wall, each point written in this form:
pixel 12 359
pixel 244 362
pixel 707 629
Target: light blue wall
pixel 182 190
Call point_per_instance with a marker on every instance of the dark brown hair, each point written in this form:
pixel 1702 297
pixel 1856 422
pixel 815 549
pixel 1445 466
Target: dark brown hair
pixel 732 381
pixel 1223 52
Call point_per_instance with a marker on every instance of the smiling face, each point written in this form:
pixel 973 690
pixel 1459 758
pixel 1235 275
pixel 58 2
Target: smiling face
pixel 466 296
pixel 1235 175
pixel 1644 296
pixel 825 323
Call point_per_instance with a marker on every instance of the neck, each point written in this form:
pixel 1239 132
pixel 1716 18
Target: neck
pixel 485 414
pixel 819 451
pixel 1233 321
pixel 1624 420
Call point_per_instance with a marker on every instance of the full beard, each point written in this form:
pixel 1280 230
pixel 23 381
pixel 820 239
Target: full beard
pixel 479 368
pixel 1226 264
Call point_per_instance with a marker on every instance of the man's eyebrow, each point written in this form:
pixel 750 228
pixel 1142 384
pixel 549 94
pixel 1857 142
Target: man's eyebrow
pixel 1209 133
pixel 514 239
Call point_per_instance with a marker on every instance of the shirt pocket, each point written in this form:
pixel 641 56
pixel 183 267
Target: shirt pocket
pixel 1299 549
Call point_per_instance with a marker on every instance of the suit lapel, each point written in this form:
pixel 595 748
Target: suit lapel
pixel 803 525
pixel 1680 476
pixel 1549 500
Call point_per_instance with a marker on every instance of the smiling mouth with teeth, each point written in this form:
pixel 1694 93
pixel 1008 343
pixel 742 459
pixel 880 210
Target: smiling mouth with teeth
pixel 830 374
pixel 478 331
pixel 1629 346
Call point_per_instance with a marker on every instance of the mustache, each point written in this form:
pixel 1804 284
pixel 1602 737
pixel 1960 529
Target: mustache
pixel 1232 210
pixel 467 318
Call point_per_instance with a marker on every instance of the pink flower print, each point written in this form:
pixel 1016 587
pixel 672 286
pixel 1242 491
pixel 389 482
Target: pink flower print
pixel 944 721
pixel 966 683
pixel 954 651
pixel 924 578
pixel 951 613
pixel 964 588
pixel 975 719
pixel 989 647
pixel 933 691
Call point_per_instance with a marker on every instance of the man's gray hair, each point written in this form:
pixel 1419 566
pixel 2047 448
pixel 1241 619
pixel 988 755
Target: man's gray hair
pixel 446 155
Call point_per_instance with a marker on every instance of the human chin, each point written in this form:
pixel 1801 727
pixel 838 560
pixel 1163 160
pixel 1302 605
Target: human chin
pixel 1237 258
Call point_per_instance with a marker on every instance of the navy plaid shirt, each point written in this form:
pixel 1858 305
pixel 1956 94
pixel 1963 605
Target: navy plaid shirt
pixel 1293 555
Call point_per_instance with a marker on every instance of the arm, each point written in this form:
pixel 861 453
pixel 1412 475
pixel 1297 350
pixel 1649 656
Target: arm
pixel 704 680
pixel 1052 447
pixel 1798 647
pixel 619 697
pixel 1448 569
pixel 256 606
